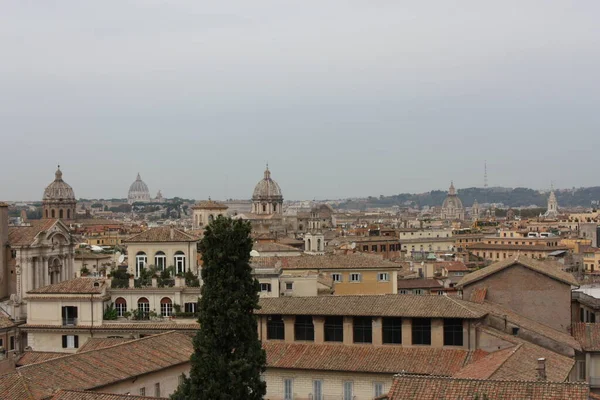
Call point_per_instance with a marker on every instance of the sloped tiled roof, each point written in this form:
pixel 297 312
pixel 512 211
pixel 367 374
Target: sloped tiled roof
pixel 32 357
pixel 373 359
pixel 81 285
pixel 588 335
pixel 101 343
pixel 209 205
pixel 14 386
pixel 373 305
pixel 97 368
pixel 161 234
pixel 522 363
pixel 25 235
pixel 329 261
pixel 5 321
pixel 406 387
pixel 419 284
pixel 548 268
pixel 274 247
pixel 478 295
pixel 488 365
pixel 526 323
pixel 81 395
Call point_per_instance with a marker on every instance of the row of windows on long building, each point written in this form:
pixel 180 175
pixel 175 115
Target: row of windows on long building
pixel 362 330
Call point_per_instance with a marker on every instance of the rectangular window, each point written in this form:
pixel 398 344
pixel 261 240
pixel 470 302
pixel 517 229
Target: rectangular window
pixel 383 277
pixel 288 389
pixel 157 390
pixel 181 379
pixel 581 375
pixel 365 248
pixel 453 332
pixel 70 341
pixel 374 248
pixel 334 329
pixel 275 328
pixel 378 389
pixel 421 331
pixel 382 248
pixel 142 391
pixel 69 315
pixel 403 291
pixel 392 330
pixel 304 328
pixel 336 277
pixel 418 291
pixel 11 343
pixel 190 307
pixel 317 390
pixel 363 330
pixel 1 342
pixel 355 277
pixel 265 287
pixel 348 390
pixel 289 286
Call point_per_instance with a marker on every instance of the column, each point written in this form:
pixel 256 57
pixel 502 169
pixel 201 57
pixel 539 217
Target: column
pixel 36 266
pixel 45 278
pixel 348 331
pixel 319 324
pixel 288 323
pixel 437 332
pixel 30 272
pixel 406 332
pixel 377 331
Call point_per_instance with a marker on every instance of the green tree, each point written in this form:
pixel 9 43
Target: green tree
pixel 228 358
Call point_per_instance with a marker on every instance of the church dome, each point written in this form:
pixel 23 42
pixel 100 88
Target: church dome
pixel 138 191
pixel 59 189
pixel 267 189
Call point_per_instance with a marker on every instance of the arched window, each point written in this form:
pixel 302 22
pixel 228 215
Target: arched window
pixel 319 245
pixel 211 218
pixel 160 260
pixel 140 263
pixel 121 306
pixel 143 308
pixel 274 207
pixel 60 213
pixel 264 208
pixel 309 245
pixel 46 213
pixel 53 214
pixel 69 214
pixel 166 307
pixel 179 262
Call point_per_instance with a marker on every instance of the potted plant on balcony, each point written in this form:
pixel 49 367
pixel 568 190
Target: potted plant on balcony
pixel 84 271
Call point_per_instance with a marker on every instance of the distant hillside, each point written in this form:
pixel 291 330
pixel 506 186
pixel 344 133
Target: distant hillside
pixel 517 197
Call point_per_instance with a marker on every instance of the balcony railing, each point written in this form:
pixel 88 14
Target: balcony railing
pixel 69 321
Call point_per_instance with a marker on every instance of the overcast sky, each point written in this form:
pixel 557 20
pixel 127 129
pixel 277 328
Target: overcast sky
pixel 342 98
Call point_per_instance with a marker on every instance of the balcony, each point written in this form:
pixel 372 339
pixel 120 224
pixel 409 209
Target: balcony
pixel 69 321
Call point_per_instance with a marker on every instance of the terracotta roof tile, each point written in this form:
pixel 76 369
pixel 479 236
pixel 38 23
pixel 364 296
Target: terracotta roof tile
pixel 5 321
pixel 118 326
pixel 588 335
pixel 407 387
pixel 274 247
pixel 32 357
pixel 101 343
pixel 74 286
pixel 521 247
pixel 161 234
pixel 548 268
pixel 14 387
pixel 375 305
pixel 488 365
pixel 209 205
pixel 373 359
pixel 419 284
pixel 81 395
pixel 329 261
pixel 97 368
pixel 25 235
pixel 478 295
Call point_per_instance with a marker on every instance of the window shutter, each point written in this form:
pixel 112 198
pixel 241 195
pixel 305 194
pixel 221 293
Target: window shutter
pixel 76 341
pixel 74 312
pixel 64 340
pixel 64 312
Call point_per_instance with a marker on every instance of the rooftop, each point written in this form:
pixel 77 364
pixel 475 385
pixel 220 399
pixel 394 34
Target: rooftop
pixel 410 387
pixel 25 235
pixel 74 286
pixel 548 268
pixel 372 305
pixel 588 335
pixel 373 359
pixel 329 261
pixel 161 234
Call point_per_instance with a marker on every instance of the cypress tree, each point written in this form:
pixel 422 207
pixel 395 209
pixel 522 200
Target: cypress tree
pixel 228 358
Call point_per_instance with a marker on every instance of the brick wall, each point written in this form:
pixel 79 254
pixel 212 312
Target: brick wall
pixel 529 293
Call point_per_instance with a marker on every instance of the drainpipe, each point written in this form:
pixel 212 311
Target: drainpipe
pixel 92 308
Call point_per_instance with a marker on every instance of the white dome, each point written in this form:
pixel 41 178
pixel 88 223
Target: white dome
pixel 267 189
pixel 138 191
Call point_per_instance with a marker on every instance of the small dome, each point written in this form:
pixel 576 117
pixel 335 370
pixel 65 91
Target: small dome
pixel 59 189
pixel 267 188
pixel 138 191
pixel 452 200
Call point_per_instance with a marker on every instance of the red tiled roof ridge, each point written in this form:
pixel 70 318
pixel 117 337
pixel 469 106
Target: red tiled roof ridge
pixel 101 394
pixel 451 378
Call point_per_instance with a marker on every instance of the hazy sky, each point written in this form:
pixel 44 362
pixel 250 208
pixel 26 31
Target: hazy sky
pixel 342 98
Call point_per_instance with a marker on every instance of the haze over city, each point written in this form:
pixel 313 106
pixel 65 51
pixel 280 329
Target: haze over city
pixel 344 99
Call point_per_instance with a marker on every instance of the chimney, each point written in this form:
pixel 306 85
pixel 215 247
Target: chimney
pixel 172 233
pixel 541 369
